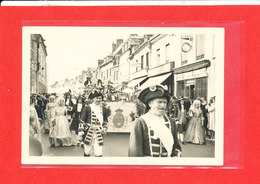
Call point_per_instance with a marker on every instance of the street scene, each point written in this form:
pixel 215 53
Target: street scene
pixel 122 94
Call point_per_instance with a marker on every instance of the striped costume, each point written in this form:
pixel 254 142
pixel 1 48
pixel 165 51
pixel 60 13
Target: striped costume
pixel 144 142
pixel 95 124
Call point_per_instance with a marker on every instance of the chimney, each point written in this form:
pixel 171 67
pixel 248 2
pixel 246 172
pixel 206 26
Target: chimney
pixel 113 47
pixel 119 42
pixel 100 62
pixel 133 35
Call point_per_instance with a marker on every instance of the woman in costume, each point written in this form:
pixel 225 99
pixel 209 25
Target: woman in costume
pixel 50 113
pixel 35 146
pixel 211 125
pixel 195 132
pixel 154 133
pixel 60 134
pixel 35 127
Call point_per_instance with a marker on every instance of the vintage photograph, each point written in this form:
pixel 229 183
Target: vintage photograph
pixel 122 95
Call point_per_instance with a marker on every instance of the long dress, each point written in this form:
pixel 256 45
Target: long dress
pixel 60 135
pixel 50 115
pixel 35 127
pixel 211 125
pixel 195 132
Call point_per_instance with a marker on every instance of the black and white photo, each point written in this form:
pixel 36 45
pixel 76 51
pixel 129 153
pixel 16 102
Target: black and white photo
pixel 123 95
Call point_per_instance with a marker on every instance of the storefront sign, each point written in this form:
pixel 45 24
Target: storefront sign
pixel 190 82
pixel 192 74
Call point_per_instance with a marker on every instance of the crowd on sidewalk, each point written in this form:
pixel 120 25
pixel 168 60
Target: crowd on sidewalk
pixel 195 119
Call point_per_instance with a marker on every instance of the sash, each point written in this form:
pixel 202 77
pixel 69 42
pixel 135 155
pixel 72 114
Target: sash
pixel 161 131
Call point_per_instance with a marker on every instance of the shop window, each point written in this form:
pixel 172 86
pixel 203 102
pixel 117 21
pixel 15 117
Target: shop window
pixel 180 88
pixel 201 87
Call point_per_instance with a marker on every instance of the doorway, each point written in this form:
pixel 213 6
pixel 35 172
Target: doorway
pixel 190 91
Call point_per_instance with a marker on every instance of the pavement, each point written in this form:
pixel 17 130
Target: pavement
pixel 116 145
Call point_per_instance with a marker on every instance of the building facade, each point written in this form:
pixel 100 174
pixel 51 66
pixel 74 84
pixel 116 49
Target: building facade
pixel 38 67
pixel 195 73
pixel 115 68
pixel 162 60
pixel 184 63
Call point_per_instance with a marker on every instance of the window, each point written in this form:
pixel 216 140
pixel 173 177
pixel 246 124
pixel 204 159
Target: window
pixel 200 46
pixel 136 66
pixel 214 46
pixel 186 49
pixel 167 52
pixel 116 75
pixel 180 88
pixel 158 56
pixel 147 59
pixel 142 62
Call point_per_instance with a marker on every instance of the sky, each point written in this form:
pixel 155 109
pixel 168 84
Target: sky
pixel 71 50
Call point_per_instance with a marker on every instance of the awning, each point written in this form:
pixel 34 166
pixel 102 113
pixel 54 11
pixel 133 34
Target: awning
pixel 155 81
pixel 135 82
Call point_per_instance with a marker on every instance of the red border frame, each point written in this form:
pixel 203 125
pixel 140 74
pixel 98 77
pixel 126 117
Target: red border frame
pixel 237 73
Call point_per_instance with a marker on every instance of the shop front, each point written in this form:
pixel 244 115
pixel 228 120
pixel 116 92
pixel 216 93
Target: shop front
pixel 193 88
pixel 192 81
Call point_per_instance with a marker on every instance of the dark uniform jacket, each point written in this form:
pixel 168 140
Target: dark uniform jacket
pixel 93 124
pixel 140 140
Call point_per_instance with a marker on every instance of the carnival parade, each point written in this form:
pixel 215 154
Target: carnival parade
pixel 137 102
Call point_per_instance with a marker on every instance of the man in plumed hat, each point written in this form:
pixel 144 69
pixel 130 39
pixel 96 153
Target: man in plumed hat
pixel 154 133
pixel 95 117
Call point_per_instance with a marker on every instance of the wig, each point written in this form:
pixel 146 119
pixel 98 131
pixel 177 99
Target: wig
pixel 59 100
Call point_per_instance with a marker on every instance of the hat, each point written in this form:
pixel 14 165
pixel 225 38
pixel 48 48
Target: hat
pixel 118 110
pixel 95 94
pixel 153 92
